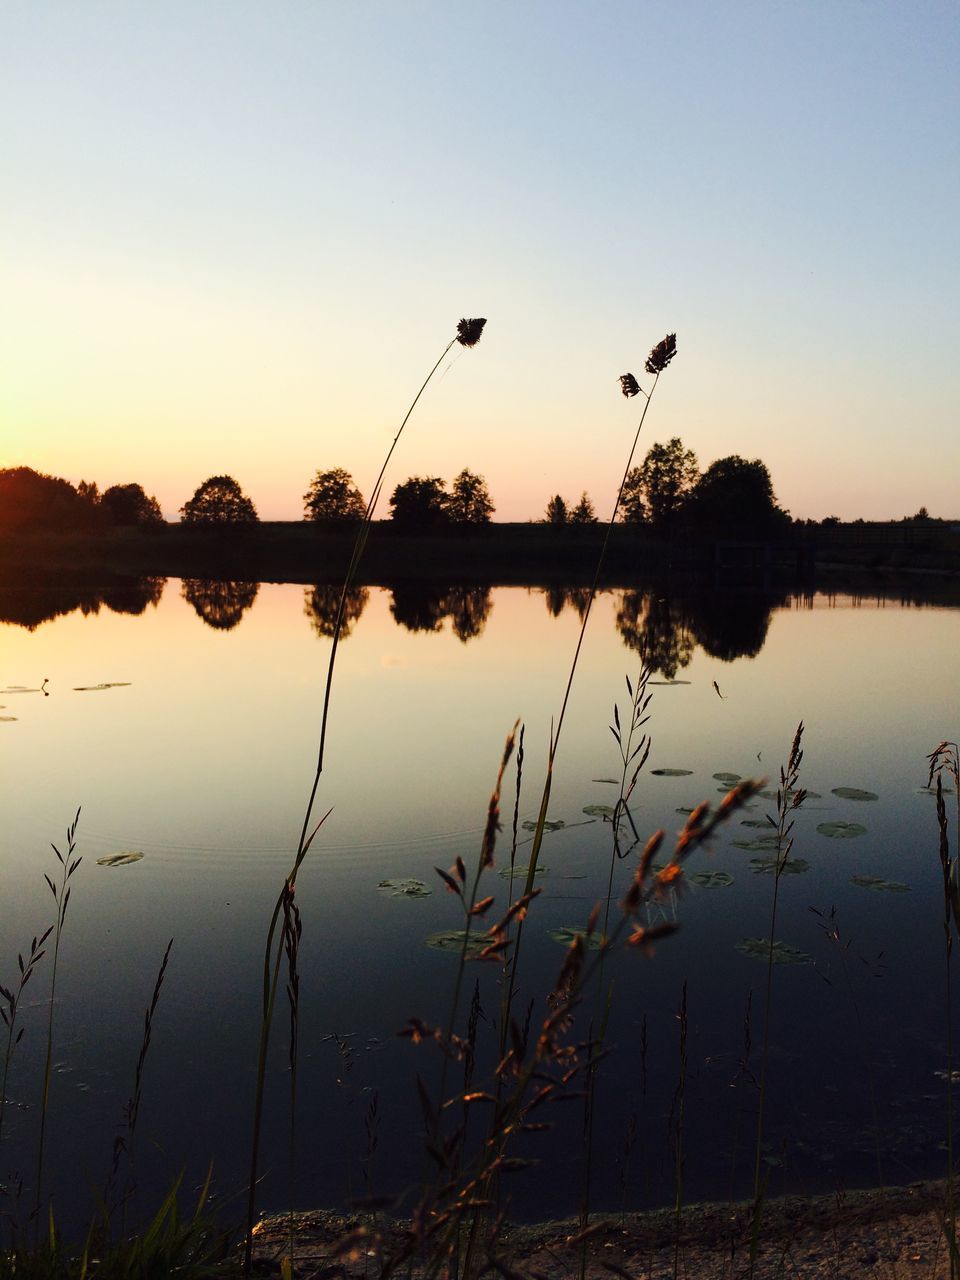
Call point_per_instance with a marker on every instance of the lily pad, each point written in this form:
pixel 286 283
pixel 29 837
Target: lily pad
pixel 758 842
pixel 932 791
pixel 880 885
pixel 712 879
pixel 788 867
pixel 94 688
pixel 119 859
pixel 671 773
pixel 854 793
pixel 667 683
pixel 761 823
pixel 405 888
pixel 550 825
pixel 841 830
pixel 567 933
pixel 614 781
pixel 8 719
pixel 730 778
pixel 599 810
pixel 683 809
pixel 779 952
pixel 521 872
pixel 452 940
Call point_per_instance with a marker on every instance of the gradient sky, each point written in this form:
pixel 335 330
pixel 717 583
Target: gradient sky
pixel 236 236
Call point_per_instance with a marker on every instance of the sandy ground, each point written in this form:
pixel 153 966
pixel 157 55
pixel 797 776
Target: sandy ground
pixel 893 1234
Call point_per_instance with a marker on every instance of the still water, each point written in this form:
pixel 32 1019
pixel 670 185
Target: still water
pixel 182 719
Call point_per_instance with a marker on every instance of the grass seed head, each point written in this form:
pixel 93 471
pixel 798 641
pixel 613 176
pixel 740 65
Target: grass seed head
pixel 469 331
pixel 662 354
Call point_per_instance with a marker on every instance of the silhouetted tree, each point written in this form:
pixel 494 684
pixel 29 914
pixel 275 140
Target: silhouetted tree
pixel 419 502
pixel 127 504
pixel 322 602
pixel 469 501
pixel 221 605
pixel 333 497
pixel 735 497
pixel 30 498
pixel 556 512
pixel 657 490
pixel 219 500
pixel 583 512
pixel 89 491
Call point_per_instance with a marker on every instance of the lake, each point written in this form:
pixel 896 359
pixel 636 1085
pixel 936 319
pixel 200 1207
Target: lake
pixel 182 719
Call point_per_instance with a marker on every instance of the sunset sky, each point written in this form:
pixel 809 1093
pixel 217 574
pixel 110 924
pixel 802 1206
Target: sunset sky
pixel 237 235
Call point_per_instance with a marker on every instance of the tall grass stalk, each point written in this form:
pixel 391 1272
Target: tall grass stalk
pixel 292 932
pixel 789 798
pixel 468 335
pixel 945 758
pixel 676 1118
pixel 61 896
pixel 656 362
pixel 10 1001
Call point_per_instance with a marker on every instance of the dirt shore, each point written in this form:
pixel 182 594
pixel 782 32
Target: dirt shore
pixel 894 1233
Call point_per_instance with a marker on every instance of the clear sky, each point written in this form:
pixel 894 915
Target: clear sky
pixel 235 236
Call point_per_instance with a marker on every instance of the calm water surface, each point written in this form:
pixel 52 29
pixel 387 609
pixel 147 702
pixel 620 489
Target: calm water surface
pixel 200 757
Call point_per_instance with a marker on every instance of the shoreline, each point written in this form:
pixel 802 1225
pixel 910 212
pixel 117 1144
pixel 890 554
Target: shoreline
pixel 893 1231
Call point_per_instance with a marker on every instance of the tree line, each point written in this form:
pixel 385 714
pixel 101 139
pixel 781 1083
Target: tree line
pixel 667 493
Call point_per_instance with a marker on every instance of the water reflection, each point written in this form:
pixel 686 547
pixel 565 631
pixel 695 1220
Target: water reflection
pixel 666 628
pixel 420 607
pixel 558 598
pixel 221 605
pixel 31 603
pixel 321 603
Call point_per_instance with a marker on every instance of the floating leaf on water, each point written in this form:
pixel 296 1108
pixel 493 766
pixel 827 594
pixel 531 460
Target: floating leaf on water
pixel 8 718
pixel 808 795
pixel 614 781
pixel 841 830
pixel 667 683
pixel 730 778
pixel 119 859
pixel 405 888
pixel 452 940
pixel 880 885
pixel 599 810
pixel 779 952
pixel 854 793
pixel 550 824
pixel 788 867
pixel 758 842
pixel 671 773
pixel 20 688
pixel 932 791
pixel 566 933
pixel 683 810
pixel 94 688
pixel 763 823
pixel 521 873
pixel 711 879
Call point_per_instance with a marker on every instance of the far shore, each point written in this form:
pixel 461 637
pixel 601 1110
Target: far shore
pixel 494 555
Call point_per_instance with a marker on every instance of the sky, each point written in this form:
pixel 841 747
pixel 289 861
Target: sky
pixel 236 237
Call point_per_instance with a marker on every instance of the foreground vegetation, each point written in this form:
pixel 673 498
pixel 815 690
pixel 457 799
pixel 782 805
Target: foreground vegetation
pixel 485 1105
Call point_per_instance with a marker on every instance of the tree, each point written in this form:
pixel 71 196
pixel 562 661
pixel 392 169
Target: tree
pixel 469 501
pixel 221 605
pixel 128 504
pixel 734 496
pixel 583 512
pixel 333 497
pixel 556 512
pixel 657 490
pixel 219 500
pixel 30 498
pixel 420 502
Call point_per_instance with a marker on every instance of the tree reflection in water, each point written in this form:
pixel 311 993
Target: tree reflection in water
pixel 221 605
pixel 559 597
pixel 320 604
pixel 32 603
pixel 665 629
pixel 423 608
